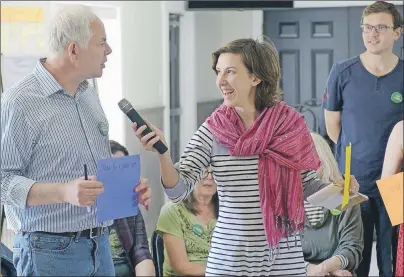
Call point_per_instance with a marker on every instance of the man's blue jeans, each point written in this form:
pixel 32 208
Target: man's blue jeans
pixel 42 254
pixel 374 216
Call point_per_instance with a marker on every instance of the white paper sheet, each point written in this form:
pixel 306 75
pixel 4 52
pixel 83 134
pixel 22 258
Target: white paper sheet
pixel 330 197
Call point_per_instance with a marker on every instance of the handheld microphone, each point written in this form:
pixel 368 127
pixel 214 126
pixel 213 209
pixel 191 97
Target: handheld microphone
pixel 133 115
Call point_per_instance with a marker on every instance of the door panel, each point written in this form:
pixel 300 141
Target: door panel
pixel 175 105
pixel 309 41
pixel 290 68
pixel 356 46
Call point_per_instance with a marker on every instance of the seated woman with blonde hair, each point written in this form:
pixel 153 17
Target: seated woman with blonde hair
pixel 187 229
pixel 332 244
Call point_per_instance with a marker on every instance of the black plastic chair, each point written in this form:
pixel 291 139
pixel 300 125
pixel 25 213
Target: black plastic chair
pixel 157 244
pixel 7 267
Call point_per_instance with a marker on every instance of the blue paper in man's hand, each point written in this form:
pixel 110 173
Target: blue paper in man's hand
pixel 119 177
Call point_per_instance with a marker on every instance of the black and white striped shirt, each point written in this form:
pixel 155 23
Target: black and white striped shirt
pixel 47 135
pixel 239 246
pixel 313 213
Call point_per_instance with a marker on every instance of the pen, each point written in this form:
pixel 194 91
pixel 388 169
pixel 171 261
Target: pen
pixel 86 178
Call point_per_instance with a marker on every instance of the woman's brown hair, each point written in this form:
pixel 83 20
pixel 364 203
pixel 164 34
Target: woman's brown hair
pixel 189 204
pixel 262 60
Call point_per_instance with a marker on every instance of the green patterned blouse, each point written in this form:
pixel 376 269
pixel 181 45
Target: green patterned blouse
pixel 176 220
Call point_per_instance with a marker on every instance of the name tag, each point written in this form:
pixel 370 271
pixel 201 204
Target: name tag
pixel 103 128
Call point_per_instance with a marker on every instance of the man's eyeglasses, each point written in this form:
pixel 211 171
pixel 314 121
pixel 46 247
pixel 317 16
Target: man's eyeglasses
pixel 366 28
pixel 207 172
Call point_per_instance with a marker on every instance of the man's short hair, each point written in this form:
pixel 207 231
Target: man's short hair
pixel 384 7
pixel 70 24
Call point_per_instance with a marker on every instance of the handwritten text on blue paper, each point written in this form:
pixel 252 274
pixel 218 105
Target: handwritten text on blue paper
pixel 116 167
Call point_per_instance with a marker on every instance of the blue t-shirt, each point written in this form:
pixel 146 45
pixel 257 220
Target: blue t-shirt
pixel 368 115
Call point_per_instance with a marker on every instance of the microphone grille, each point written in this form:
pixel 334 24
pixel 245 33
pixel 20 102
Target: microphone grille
pixel 124 105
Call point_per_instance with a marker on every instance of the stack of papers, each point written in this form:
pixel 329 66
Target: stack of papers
pixel 331 196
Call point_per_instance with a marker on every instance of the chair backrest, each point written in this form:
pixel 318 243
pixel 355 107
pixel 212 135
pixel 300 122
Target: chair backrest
pixel 7 267
pixel 158 253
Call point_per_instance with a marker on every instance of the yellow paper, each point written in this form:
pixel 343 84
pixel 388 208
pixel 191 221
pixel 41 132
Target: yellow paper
pixel 22 14
pixel 391 190
pixel 345 199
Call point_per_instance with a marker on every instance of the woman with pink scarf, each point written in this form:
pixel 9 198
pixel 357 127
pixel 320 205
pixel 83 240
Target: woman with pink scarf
pixel 263 162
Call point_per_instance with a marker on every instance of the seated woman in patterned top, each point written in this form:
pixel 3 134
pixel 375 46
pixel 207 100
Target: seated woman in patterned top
pixel 187 229
pixel 332 244
pixel 128 239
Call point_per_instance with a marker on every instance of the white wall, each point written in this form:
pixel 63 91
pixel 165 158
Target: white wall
pixel 188 78
pixel 110 84
pixel 25 38
pixel 142 57
pixel 214 29
pixel 208 38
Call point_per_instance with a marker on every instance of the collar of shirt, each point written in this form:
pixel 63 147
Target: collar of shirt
pixel 49 84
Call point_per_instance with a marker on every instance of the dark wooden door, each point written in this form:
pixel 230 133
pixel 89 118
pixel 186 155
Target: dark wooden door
pixel 309 41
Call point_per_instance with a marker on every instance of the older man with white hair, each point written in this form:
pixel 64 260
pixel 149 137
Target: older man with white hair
pixel 52 125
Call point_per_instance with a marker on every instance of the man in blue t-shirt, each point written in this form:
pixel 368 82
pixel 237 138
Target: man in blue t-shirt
pixel 363 101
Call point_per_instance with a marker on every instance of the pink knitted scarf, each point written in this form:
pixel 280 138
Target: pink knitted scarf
pixel 283 142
